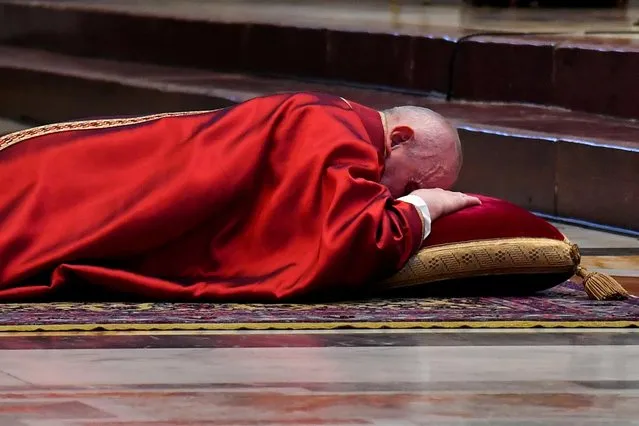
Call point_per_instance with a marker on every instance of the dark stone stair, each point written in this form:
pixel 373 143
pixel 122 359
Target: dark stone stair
pixel 542 65
pixel 551 160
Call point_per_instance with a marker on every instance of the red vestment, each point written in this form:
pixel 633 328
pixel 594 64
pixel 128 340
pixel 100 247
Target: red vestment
pixel 274 198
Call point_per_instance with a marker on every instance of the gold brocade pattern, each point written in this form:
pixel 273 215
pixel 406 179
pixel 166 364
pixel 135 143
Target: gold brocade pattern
pixel 120 329
pixel 565 305
pixel 22 135
pixel 487 257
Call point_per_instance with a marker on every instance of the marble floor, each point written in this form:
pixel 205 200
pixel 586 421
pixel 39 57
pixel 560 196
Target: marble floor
pixel 336 378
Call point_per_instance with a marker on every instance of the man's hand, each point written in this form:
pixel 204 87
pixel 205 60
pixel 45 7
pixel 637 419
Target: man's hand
pixel 441 202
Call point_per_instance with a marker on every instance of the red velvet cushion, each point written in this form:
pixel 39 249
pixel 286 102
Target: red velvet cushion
pixel 499 263
pixel 493 219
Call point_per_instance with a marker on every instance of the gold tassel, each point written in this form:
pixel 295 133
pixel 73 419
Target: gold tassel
pixel 600 286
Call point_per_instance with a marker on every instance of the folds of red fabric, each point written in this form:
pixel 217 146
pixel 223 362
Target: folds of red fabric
pixel 268 200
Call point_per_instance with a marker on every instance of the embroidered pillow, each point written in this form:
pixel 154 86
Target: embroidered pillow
pixel 496 248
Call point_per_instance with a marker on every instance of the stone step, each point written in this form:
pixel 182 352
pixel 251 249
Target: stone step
pixel 578 59
pixel 550 160
pixel 10 126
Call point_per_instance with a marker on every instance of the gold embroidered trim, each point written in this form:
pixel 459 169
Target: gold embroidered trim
pixel 347 102
pixel 123 329
pixel 22 135
pixel 385 127
pixel 486 257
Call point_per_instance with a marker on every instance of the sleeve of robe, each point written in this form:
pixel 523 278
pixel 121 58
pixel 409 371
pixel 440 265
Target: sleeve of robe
pixel 269 200
pixel 355 232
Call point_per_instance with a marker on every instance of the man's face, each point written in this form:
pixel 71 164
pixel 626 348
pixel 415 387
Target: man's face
pixel 405 171
pixel 398 173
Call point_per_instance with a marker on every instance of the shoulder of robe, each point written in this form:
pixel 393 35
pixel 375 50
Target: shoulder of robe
pixel 320 99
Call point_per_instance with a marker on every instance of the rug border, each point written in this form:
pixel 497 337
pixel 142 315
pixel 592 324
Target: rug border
pixel 319 326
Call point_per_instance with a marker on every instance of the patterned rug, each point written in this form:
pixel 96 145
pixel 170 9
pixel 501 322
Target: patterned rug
pixel 563 306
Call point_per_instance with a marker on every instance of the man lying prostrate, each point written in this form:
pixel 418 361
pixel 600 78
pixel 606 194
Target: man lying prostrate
pixel 272 199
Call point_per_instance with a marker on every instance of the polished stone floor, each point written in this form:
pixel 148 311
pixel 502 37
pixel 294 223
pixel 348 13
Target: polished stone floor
pixel 336 378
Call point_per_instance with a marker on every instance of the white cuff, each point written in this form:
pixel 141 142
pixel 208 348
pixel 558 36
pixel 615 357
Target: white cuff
pixel 422 208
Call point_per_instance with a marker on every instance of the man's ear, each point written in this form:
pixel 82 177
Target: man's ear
pixel 401 134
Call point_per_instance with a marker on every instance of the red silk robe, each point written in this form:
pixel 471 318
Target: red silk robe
pixel 271 199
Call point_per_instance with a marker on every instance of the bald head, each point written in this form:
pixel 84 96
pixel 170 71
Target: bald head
pixel 424 150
